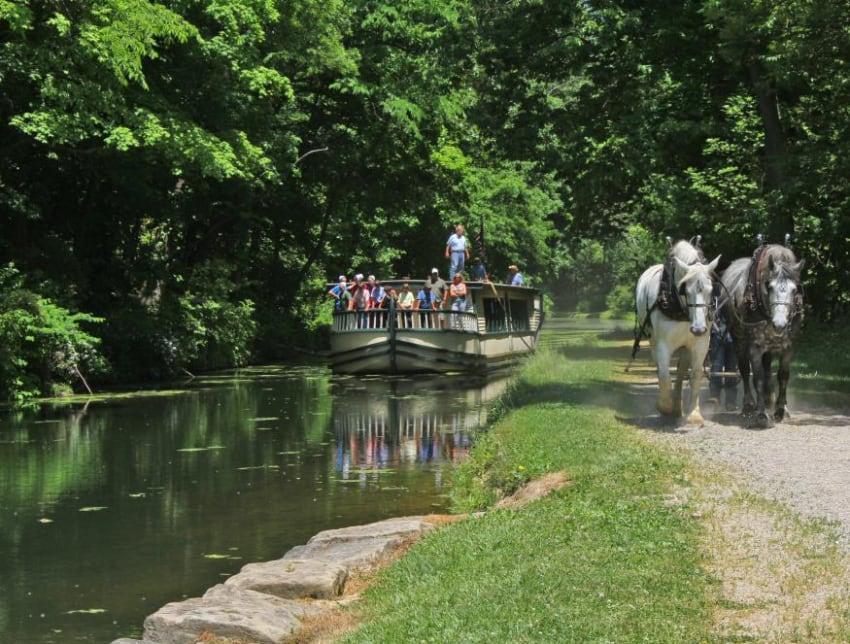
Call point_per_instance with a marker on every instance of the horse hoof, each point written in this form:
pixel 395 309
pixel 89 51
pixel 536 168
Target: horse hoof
pixel 780 414
pixel 696 419
pixel 763 421
pixel 664 410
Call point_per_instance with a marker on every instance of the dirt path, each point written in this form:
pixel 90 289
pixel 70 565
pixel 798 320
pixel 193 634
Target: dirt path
pixel 762 496
pixel 803 462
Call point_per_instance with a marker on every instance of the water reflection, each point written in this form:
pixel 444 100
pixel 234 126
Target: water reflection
pixel 120 506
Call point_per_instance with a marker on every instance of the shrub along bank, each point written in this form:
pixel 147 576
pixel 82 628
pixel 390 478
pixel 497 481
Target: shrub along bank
pixel 607 558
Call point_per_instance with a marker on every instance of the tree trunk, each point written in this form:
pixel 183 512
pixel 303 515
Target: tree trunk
pixel 776 152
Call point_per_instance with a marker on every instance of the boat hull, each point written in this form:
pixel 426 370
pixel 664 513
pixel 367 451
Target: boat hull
pixel 418 352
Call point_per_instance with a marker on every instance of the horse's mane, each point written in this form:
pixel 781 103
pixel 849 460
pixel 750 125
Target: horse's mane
pixel 783 259
pixel 689 254
pixel 686 252
pixel 736 276
pixel 735 279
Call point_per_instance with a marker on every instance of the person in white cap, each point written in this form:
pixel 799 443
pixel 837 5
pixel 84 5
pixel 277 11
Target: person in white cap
pixel 340 294
pixel 457 251
pixel 438 288
pixel 515 278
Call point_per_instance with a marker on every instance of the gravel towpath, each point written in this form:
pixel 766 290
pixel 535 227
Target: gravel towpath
pixel 803 461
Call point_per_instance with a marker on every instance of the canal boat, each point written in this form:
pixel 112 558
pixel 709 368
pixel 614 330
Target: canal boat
pixel 499 327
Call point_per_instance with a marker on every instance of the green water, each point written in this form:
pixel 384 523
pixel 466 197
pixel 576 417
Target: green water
pixel 119 506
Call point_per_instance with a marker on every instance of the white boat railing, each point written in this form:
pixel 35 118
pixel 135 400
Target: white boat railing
pixel 402 320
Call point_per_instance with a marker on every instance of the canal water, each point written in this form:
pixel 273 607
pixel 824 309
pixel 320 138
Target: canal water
pixel 110 509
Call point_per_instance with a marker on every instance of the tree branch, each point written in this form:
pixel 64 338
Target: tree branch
pixel 306 154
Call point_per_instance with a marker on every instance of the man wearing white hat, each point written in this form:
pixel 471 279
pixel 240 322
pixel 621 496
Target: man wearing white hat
pixel 438 288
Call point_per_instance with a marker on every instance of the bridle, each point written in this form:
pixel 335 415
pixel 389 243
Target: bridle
pixel 709 306
pixel 792 303
pixel 795 305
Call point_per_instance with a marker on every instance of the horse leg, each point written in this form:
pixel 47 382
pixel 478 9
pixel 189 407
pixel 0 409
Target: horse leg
pixel 748 404
pixel 697 360
pixel 784 375
pixel 665 399
pixel 759 375
pixel 681 370
pixel 767 363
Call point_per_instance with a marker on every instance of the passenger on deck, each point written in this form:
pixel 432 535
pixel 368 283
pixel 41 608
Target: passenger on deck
pixel 478 272
pixel 515 278
pixel 376 302
pixel 360 303
pixel 341 294
pixel 392 296
pixel 356 283
pixel 425 303
pixel 457 251
pixel 406 301
pixel 438 291
pixel 438 288
pixel 458 295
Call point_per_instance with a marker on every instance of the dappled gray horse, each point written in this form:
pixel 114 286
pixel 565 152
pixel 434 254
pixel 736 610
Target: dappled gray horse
pixel 765 310
pixel 675 300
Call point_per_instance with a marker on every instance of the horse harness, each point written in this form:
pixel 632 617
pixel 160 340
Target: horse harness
pixel 669 301
pixel 753 301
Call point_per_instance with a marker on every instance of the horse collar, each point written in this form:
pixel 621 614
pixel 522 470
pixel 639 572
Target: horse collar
pixel 752 294
pixel 668 300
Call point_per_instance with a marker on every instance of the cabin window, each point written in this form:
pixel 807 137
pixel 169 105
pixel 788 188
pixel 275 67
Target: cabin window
pixel 519 315
pixel 494 316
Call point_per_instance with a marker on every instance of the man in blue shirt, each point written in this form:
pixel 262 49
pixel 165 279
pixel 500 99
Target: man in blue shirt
pixel 515 278
pixel 377 297
pixel 341 294
pixel 425 302
pixel 457 251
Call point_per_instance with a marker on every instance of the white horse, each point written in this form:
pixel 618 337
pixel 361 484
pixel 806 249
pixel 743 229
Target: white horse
pixel 688 339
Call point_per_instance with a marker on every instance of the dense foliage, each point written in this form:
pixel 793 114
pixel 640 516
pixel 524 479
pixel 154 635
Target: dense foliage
pixel 193 172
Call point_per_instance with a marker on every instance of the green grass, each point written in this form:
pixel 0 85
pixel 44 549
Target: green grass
pixel 604 559
pixel 820 361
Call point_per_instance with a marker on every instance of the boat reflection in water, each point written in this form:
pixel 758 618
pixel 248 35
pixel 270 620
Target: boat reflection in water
pixel 385 421
pixel 138 500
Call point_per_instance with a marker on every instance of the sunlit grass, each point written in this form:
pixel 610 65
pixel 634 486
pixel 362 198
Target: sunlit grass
pixel 821 362
pixel 604 559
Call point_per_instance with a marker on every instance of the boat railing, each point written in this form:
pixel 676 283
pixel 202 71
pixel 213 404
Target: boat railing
pixel 404 320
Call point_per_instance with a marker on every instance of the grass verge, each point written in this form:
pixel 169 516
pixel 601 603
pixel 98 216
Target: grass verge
pixel 607 558
pixel 645 544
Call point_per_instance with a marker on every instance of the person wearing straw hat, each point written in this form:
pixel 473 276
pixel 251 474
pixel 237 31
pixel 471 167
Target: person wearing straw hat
pixel 515 278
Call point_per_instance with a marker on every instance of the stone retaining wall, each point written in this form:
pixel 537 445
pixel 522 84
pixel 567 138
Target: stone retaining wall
pixel 267 602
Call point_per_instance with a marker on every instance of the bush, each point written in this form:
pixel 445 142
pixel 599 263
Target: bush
pixel 214 333
pixel 636 250
pixel 42 345
pixel 206 327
